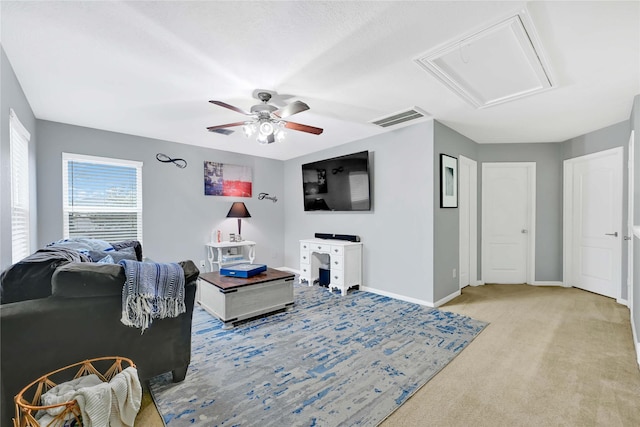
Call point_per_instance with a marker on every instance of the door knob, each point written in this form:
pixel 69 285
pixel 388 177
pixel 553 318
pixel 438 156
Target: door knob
pixel 524 231
pixel 615 234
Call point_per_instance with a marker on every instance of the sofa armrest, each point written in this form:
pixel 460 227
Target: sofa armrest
pixel 191 272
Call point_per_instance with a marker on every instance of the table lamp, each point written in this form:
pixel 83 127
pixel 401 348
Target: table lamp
pixel 238 210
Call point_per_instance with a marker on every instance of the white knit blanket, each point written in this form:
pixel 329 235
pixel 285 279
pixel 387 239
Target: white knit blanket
pixel 151 291
pixel 112 404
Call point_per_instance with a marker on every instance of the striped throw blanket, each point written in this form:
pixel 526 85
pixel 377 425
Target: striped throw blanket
pixel 151 291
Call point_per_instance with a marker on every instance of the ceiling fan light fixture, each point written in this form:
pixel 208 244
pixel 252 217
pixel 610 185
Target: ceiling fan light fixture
pixel 266 122
pixel 249 129
pixel 266 128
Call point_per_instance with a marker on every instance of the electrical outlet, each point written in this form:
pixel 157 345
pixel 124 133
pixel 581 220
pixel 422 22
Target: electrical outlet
pixel 454 273
pixel 202 264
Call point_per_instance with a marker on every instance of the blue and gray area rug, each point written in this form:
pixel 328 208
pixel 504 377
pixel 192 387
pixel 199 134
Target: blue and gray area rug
pixel 329 361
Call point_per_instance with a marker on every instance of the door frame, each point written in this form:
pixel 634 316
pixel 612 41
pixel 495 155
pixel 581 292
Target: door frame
pixel 531 249
pixel 567 214
pixel 630 203
pixel 472 220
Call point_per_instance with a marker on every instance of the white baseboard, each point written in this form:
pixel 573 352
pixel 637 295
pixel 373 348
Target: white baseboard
pixel 448 298
pixel 476 283
pixel 397 296
pixel 547 283
pixel 623 302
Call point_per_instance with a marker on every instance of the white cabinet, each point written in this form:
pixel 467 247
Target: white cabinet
pixel 219 254
pixel 345 262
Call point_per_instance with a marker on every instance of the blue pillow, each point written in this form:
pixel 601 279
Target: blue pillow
pixel 83 244
pixel 106 260
pixel 117 256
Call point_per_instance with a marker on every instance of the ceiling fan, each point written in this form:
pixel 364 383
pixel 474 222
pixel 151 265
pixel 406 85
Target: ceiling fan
pixel 266 119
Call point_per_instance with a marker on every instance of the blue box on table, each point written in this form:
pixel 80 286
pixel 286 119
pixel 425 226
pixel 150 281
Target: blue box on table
pixel 243 270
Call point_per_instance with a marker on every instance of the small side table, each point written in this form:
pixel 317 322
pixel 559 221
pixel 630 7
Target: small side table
pixel 217 251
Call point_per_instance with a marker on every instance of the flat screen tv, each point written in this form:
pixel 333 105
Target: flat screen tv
pixel 337 184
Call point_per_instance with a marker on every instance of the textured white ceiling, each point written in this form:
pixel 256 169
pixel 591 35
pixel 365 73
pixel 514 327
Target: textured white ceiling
pixel 149 68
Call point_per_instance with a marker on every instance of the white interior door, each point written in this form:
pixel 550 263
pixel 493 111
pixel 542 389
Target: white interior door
pixel 508 218
pixel 595 216
pixel 468 210
pixel 631 198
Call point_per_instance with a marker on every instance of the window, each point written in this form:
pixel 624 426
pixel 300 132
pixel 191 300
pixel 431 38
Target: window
pixel 102 198
pixel 19 158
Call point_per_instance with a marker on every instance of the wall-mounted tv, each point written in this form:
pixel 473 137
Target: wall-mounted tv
pixel 337 184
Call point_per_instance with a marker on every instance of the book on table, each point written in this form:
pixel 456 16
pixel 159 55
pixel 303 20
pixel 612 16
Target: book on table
pixel 229 258
pixel 243 270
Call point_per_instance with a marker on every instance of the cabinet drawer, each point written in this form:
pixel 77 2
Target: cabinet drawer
pixel 337 250
pixel 337 277
pixel 320 248
pixel 304 246
pixel 337 262
pixel 305 270
pixel 304 257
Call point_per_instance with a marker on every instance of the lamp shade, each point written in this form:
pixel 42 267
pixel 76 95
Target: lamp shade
pixel 238 210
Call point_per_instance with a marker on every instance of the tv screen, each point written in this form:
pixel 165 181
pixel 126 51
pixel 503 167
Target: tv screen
pixel 337 184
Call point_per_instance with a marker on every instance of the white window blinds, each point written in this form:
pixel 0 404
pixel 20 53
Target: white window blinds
pixel 19 157
pixel 102 198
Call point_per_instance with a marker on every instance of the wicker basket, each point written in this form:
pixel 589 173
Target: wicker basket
pixel 28 400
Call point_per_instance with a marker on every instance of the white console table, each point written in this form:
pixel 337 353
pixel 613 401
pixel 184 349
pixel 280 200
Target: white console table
pixel 217 251
pixel 345 262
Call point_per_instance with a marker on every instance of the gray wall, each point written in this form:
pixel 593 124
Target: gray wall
pixel 397 234
pixel 177 217
pixel 548 159
pixel 603 139
pixel 446 220
pixel 13 97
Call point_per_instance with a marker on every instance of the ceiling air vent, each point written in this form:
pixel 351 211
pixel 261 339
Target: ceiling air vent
pixel 402 117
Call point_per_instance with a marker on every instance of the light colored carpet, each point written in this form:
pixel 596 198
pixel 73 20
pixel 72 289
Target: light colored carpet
pixel 550 357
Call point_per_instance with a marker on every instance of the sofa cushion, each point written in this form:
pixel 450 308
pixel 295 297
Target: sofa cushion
pixel 136 245
pixel 30 278
pixel 78 280
pixel 86 279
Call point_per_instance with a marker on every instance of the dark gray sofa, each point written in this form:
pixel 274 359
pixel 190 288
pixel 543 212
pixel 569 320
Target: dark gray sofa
pixel 81 320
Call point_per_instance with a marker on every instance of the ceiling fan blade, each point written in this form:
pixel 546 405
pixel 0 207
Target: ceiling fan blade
pixel 303 128
pixel 231 107
pixel 228 125
pixel 291 109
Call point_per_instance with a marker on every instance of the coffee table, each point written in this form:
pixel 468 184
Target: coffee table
pixel 232 299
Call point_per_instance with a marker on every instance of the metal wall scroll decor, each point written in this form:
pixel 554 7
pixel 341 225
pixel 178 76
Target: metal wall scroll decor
pixel 263 196
pixel 181 163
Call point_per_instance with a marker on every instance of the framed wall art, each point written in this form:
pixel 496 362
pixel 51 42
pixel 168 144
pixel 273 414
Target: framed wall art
pixel 222 179
pixel 448 181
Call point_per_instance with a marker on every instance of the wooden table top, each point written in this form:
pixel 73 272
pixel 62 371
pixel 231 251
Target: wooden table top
pixel 230 282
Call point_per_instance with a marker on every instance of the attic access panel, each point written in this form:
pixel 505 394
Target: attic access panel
pixel 492 66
